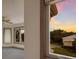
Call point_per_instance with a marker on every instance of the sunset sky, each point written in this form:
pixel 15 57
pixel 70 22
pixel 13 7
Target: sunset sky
pixel 66 17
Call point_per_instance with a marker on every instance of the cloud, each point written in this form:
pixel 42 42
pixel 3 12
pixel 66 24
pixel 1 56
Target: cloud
pixel 67 26
pixel 66 3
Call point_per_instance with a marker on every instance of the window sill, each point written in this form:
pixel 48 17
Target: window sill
pixel 58 56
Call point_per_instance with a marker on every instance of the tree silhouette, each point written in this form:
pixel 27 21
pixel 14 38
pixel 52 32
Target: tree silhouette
pixel 57 35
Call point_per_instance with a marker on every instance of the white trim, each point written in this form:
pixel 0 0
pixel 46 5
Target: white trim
pixel 49 2
pixel 59 56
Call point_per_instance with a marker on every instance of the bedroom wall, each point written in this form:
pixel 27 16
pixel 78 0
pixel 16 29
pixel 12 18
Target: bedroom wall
pixel 32 29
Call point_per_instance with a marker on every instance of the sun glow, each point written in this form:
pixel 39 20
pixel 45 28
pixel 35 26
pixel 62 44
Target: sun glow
pixel 69 27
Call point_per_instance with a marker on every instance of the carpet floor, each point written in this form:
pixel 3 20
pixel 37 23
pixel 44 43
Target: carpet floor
pixel 12 53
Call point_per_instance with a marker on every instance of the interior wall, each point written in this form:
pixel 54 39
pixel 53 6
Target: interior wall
pixel 18 25
pixel 14 10
pixel 32 29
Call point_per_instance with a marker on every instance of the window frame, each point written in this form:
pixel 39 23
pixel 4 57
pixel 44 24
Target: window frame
pixel 18 28
pixel 4 35
pixel 48 54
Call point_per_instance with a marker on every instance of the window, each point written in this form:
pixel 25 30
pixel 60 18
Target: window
pixel 62 30
pixel 19 35
pixel 22 35
pixel 7 36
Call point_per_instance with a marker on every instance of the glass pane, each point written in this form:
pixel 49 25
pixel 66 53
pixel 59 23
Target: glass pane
pixel 7 36
pixel 17 36
pixel 22 35
pixel 62 28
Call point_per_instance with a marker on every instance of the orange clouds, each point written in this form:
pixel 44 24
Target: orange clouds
pixel 69 26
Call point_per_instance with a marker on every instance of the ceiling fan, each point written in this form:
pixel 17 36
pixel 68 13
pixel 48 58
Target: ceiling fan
pixel 6 19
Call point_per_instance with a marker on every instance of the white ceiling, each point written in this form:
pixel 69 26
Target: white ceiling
pixel 14 10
